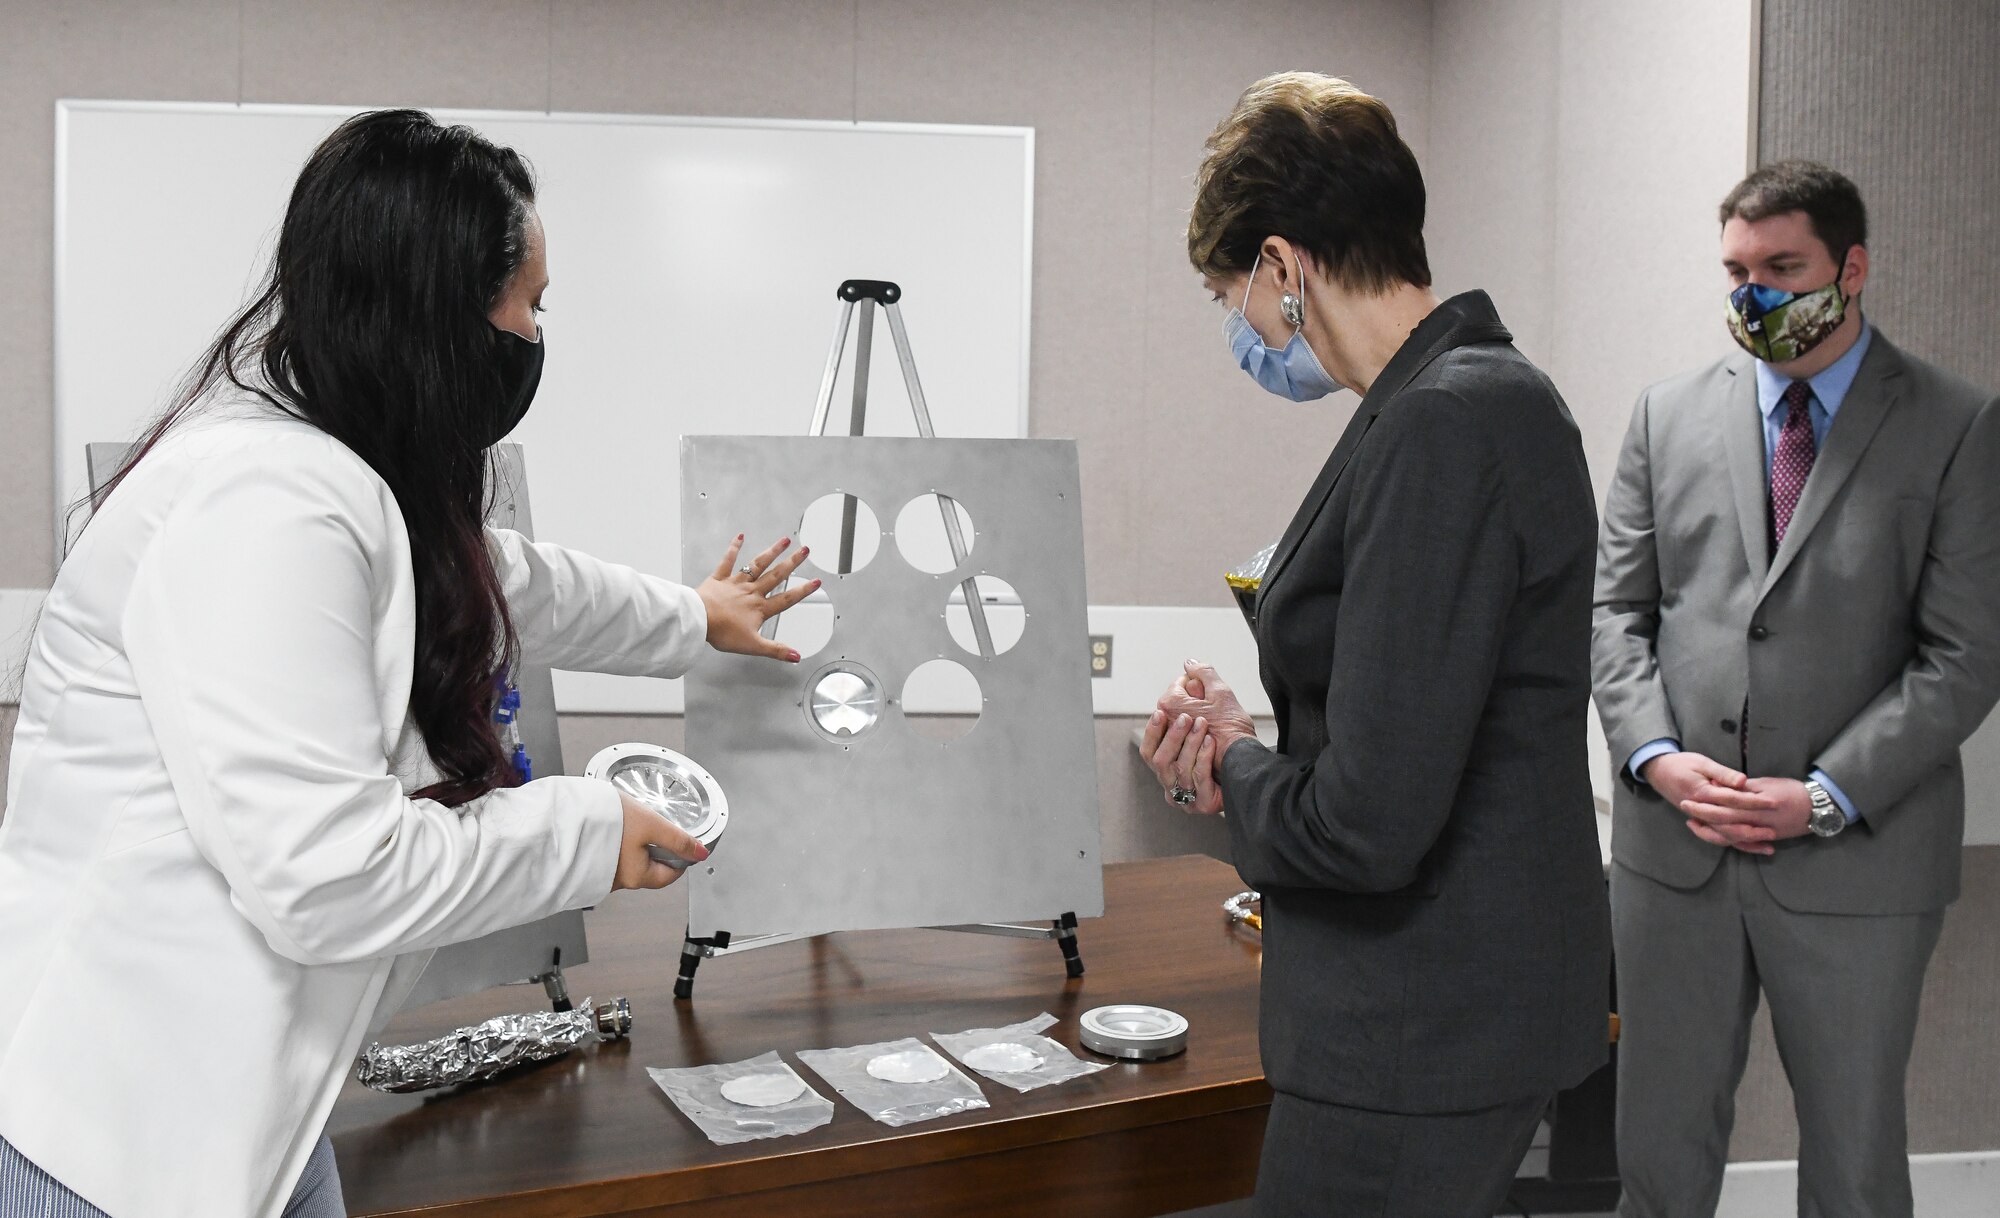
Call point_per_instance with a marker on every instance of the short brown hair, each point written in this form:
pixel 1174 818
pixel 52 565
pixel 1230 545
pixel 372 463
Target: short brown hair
pixel 1314 160
pixel 1830 201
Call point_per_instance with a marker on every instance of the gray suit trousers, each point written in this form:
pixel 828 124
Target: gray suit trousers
pixel 1844 991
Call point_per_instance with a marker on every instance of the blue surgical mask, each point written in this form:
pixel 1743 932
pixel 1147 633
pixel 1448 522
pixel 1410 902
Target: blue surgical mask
pixel 1295 372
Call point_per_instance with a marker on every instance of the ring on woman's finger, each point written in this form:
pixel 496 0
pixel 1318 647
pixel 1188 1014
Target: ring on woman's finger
pixel 750 570
pixel 1181 795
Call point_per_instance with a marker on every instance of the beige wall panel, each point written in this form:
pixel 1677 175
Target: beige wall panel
pixel 1221 465
pixel 1902 99
pixel 1651 133
pixel 1080 75
pixel 740 59
pixel 91 48
pixel 1492 168
pixel 1953 1106
pixel 470 53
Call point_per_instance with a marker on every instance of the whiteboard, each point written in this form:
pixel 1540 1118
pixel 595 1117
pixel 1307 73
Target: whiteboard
pixel 693 264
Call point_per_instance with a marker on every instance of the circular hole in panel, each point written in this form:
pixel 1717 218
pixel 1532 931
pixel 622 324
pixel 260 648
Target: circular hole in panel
pixel 821 526
pixel 807 627
pixel 921 536
pixel 941 700
pixel 843 700
pixel 1005 616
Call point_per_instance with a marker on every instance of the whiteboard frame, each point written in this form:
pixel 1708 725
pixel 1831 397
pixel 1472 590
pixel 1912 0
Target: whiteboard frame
pixel 68 105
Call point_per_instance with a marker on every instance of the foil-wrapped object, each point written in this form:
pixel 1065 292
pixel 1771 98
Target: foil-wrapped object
pixel 1248 908
pixel 1246 579
pixel 487 1049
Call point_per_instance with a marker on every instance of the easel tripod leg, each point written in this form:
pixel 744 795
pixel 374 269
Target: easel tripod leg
pixel 1066 939
pixel 691 954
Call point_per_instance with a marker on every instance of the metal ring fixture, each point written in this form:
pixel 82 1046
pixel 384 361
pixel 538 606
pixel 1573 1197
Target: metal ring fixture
pixel 670 784
pixel 844 700
pixel 1134 1032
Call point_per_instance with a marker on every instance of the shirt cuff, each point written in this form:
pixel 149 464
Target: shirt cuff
pixel 1839 796
pixel 1651 749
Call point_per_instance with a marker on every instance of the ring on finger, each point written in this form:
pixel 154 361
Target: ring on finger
pixel 1181 795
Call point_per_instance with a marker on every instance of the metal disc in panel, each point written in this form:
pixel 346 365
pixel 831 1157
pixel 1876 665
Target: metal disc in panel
pixel 844 700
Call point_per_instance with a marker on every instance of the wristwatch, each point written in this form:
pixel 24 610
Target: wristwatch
pixel 1827 819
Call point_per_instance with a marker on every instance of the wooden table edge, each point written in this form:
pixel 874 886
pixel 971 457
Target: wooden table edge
pixel 791 1168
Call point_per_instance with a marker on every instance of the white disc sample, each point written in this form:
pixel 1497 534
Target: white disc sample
pixel 763 1090
pixel 909 1066
pixel 1004 1057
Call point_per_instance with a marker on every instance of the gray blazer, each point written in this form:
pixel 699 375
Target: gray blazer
pixel 1436 936
pixel 1868 646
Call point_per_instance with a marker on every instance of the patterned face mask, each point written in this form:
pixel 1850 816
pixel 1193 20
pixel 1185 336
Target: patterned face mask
pixel 1778 327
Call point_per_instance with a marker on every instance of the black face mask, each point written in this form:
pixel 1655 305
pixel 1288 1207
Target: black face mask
pixel 521 373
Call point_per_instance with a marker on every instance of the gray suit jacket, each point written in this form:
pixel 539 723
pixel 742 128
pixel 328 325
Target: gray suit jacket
pixel 1868 646
pixel 1436 936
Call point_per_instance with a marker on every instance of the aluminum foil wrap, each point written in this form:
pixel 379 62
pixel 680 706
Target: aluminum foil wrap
pixel 487 1049
pixel 1246 907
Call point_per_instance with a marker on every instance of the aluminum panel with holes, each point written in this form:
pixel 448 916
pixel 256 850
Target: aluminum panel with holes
pixel 846 813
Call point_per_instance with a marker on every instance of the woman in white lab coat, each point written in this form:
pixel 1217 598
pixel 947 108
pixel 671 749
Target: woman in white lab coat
pixel 255 776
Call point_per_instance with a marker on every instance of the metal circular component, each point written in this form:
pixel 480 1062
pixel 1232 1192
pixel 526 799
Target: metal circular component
pixel 670 784
pixel 1138 1033
pixel 844 700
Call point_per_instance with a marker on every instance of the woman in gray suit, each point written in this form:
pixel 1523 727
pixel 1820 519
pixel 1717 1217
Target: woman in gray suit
pixel 1436 934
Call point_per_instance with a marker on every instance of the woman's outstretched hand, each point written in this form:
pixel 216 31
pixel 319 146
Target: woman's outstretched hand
pixel 740 600
pixel 1197 720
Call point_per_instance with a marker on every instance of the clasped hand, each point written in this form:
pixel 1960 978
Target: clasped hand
pixel 1727 808
pixel 1197 719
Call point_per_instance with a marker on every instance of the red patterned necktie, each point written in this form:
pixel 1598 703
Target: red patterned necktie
pixel 1794 459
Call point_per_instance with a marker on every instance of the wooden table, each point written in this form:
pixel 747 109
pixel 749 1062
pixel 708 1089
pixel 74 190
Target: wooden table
pixel 590 1134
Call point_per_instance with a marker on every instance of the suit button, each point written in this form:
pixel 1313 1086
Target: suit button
pixel 1729 725
pixel 1759 633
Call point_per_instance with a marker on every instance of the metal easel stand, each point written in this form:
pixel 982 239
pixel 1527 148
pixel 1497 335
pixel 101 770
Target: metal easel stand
pixel 867 293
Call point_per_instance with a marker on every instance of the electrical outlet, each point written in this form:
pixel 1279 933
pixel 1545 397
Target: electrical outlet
pixel 1100 655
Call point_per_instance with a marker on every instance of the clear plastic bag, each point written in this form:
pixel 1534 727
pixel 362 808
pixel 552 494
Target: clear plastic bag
pixel 697 1092
pixel 1058 1064
pixel 894 1103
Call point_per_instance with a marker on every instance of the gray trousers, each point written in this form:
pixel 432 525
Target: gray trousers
pixel 1331 1161
pixel 26 1191
pixel 1843 991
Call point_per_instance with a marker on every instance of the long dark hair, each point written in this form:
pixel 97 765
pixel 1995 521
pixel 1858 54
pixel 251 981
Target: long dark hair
pixel 372 326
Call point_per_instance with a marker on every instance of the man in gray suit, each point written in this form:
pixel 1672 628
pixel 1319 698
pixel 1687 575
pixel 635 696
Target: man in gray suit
pixel 1797 624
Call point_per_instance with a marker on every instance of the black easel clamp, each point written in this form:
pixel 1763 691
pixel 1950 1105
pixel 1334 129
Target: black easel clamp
pixel 879 290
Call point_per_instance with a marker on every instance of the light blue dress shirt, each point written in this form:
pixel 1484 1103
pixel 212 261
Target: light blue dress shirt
pixel 1829 390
